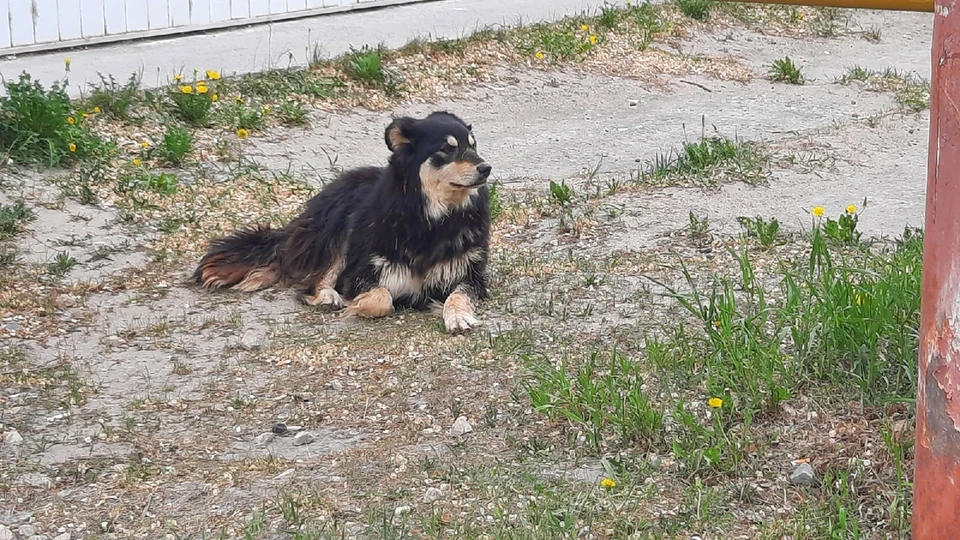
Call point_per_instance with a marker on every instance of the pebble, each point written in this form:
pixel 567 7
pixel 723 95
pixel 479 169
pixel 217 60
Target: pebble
pixel 12 437
pixel 250 340
pixel 432 495
pixel 39 537
pixel 64 536
pixel 304 437
pixel 264 439
pixel 634 102
pixel 27 531
pixel 802 475
pixel 5 533
pixel 460 427
pixel 401 510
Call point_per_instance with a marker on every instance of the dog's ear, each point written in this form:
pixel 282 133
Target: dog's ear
pixel 398 133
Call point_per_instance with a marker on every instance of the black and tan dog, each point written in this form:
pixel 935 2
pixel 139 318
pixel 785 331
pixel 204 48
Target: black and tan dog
pixel 408 235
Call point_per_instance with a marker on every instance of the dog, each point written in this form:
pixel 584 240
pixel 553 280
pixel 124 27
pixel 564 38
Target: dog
pixel 413 234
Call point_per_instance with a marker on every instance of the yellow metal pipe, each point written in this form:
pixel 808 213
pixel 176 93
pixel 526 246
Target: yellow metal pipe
pixel 893 5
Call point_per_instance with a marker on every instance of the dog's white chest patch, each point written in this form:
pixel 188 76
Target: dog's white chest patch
pixel 452 270
pixel 398 278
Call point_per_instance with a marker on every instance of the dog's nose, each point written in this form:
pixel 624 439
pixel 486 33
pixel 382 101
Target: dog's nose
pixel 484 169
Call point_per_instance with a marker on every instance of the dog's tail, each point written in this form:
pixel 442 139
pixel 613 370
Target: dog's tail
pixel 245 260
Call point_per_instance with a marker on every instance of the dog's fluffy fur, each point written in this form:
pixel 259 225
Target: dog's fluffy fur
pixel 410 234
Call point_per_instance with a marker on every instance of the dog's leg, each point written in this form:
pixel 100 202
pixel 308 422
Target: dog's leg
pixel 458 314
pixel 258 278
pixel 324 295
pixel 375 303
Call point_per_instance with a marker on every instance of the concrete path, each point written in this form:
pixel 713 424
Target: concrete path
pixel 289 43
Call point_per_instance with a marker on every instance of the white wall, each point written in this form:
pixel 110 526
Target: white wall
pixel 31 24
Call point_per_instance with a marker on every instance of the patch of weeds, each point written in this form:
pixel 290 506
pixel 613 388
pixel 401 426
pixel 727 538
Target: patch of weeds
pixel 698 10
pixel 872 34
pixel 648 21
pixel 829 21
pixel 609 17
pixel 292 113
pixel 496 205
pixel 40 126
pixel 281 84
pixel 708 161
pixel 366 67
pixel 912 93
pixel 784 70
pixel 561 194
pixel 766 232
pixel 114 98
pixel 241 115
pixel 561 41
pixel 176 145
pixel 193 102
pixel 842 230
pixel 699 226
pixel 603 397
pixel 143 180
pixel 61 264
pixel 13 217
pixel 843 317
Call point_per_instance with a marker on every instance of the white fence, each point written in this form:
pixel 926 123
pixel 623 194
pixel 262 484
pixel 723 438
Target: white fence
pixel 33 25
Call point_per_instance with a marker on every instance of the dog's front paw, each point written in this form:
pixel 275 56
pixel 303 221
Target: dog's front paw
pixel 372 304
pixel 325 298
pixel 458 314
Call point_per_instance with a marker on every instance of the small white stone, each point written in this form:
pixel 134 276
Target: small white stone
pixel 803 475
pixel 5 533
pixel 302 438
pixel 460 427
pixel 13 437
pixel 401 510
pixel 27 531
pixel 432 495
pixel 264 439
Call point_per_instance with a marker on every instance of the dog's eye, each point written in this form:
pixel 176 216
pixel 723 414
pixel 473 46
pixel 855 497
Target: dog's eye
pixel 447 148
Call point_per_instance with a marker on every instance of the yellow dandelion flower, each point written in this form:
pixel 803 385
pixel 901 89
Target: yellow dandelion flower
pixel 178 77
pixel 85 115
pixel 608 483
pixel 214 98
pixel 817 211
pixel 239 99
pixel 96 110
pixel 593 40
pixel 72 147
pixel 242 133
pixel 584 27
pixel 186 89
pixel 66 63
pixel 852 209
pixel 539 56
pixel 715 402
pixel 137 162
pixel 71 120
pixel 202 89
pixel 213 75
pixel 799 16
pixel 144 144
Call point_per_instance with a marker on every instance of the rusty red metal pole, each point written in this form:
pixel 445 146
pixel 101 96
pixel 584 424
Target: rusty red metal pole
pixel 936 491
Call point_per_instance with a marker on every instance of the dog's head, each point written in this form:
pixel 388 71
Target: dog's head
pixel 442 151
